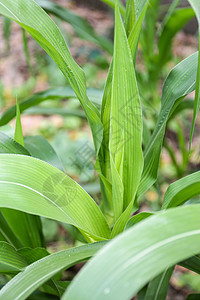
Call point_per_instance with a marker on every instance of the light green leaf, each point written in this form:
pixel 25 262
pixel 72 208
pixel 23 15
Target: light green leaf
pixel 40 148
pixel 41 189
pixel 125 142
pixel 32 255
pixel 129 261
pixel 179 83
pixel 130 17
pixel 135 32
pixel 10 260
pixel 138 218
pixel 20 226
pixel 48 111
pixel 8 145
pixel 182 190
pixel 104 168
pixel 18 127
pixel 23 284
pixel 27 228
pixel 33 19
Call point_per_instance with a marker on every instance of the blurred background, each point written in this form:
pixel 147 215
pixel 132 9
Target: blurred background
pixel 169 35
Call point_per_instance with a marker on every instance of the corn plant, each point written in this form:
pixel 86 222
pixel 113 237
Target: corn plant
pixel 132 255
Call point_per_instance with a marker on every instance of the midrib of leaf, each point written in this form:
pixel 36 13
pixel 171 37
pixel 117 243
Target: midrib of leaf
pixel 23 284
pixel 82 211
pixel 33 190
pixel 161 244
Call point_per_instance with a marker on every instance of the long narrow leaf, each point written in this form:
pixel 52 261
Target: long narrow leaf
pixel 10 260
pixel 8 145
pixel 182 190
pixel 129 261
pixel 22 285
pixel 125 142
pixel 18 128
pixel 179 83
pixel 196 6
pixel 7 233
pixel 17 227
pixel 40 148
pixel 158 287
pixel 33 19
pixel 35 187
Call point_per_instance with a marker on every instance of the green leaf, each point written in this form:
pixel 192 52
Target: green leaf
pixel 35 187
pixel 20 226
pixel 186 104
pixel 56 111
pixel 179 83
pixel 81 26
pixel 125 142
pixel 7 233
pixel 182 190
pixel 8 130
pixel 32 255
pixel 129 261
pixel 104 167
pixel 10 260
pixel 135 32
pixel 130 17
pixel 40 148
pixel 33 19
pixel 8 145
pixel 193 297
pixel 27 228
pixel 23 284
pixel 51 94
pixel 192 263
pixel 158 287
pixel 196 6
pixel 138 218
pixel 18 127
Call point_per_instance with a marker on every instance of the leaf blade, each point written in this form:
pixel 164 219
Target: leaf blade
pixel 57 195
pixel 127 263
pixel 22 285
